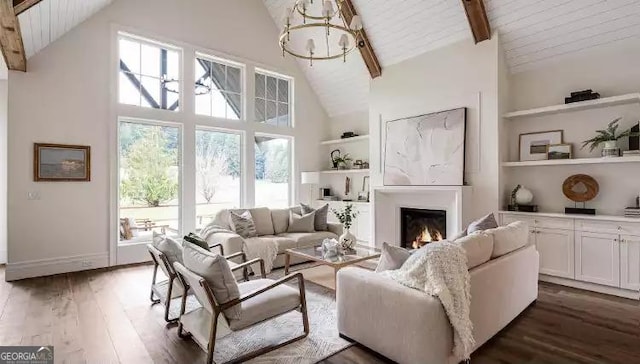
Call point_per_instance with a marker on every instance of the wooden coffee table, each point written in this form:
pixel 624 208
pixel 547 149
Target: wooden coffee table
pixel 358 254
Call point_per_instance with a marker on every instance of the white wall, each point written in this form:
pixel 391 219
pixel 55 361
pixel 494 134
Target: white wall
pixel 610 70
pixel 460 75
pixel 3 170
pixel 65 98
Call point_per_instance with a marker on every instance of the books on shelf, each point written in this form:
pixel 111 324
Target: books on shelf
pixel 632 212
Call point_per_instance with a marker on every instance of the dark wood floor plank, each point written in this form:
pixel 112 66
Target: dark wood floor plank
pixel 14 314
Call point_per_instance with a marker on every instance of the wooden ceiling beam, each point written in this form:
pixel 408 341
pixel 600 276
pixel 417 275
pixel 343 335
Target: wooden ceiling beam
pixel 20 6
pixel 348 11
pixel 478 21
pixel 11 38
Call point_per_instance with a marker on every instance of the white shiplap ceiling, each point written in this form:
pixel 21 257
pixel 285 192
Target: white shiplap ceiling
pixel 47 21
pixel 532 33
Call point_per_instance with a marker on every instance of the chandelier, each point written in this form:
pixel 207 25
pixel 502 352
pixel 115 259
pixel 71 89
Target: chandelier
pixel 307 25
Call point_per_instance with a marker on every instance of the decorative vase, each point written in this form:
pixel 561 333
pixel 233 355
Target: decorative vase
pixel 610 149
pixel 347 240
pixel 523 196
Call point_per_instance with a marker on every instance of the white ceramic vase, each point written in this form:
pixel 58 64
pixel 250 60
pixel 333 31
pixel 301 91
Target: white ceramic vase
pixel 347 240
pixel 524 196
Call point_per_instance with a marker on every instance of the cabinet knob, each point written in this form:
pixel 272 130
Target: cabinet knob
pixel 615 240
pixel 622 241
pixel 619 227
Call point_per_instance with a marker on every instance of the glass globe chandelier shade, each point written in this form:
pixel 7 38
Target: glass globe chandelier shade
pixel 316 30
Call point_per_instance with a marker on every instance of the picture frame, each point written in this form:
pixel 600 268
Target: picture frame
pixel 61 163
pixel 533 146
pixel 560 151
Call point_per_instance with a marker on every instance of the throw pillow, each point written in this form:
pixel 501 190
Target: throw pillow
pixel 478 247
pixel 485 223
pixel 320 221
pixel 168 246
pixel 392 257
pixel 262 220
pixel 509 238
pixel 215 269
pixel 197 240
pixel 301 223
pixel 243 224
pixel 280 220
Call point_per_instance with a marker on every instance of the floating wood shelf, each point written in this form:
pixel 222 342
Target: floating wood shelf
pixel 576 106
pixel 345 140
pixel 563 162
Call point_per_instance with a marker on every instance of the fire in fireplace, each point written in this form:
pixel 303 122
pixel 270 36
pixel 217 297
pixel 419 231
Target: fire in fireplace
pixel 421 226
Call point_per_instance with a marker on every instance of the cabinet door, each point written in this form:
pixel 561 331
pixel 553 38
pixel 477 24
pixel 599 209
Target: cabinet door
pixel 556 249
pixel 630 262
pixel 363 223
pixel 598 258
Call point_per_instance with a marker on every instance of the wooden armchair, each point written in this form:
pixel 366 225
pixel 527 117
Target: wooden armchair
pixel 164 291
pixel 281 299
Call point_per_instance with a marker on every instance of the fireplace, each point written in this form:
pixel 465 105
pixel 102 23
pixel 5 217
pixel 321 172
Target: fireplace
pixel 421 226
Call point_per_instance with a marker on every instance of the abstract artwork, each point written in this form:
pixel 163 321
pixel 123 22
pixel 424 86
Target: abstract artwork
pixel 58 162
pixel 426 150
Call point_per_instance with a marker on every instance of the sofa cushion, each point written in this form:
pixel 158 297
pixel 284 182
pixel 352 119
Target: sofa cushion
pixel 262 220
pixel 509 238
pixel 273 302
pixel 309 239
pixel 478 246
pixel 168 246
pixel 243 224
pixel 320 219
pixel 301 223
pixel 282 243
pixel 280 220
pixel 216 271
pixel 392 257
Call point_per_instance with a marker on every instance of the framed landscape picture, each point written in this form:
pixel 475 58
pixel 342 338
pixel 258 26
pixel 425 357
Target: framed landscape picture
pixel 60 163
pixel 559 151
pixel 533 146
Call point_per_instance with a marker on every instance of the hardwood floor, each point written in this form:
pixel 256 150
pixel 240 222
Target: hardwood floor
pixel 104 316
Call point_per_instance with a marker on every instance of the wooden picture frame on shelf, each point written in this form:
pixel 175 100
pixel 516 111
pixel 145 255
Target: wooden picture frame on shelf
pixel 61 163
pixel 533 146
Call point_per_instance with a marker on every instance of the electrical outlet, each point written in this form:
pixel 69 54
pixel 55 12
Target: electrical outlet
pixel 35 195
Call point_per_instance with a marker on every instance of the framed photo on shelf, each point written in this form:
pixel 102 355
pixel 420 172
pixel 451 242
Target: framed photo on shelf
pixel 559 151
pixel 534 146
pixel 61 163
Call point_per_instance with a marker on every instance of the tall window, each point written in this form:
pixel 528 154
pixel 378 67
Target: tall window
pixel 273 171
pixel 149 196
pixel 218 89
pixel 149 74
pixel 218 173
pixel 272 103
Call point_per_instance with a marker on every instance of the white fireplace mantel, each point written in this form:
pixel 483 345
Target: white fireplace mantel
pixel 386 202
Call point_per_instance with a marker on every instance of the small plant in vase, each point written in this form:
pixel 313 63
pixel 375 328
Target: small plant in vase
pixel 342 162
pixel 609 139
pixel 346 216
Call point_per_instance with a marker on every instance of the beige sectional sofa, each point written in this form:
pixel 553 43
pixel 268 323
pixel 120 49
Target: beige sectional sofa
pixel 408 326
pixel 272 225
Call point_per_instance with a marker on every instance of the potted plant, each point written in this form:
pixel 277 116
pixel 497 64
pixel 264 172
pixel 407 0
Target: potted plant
pixel 609 139
pixel 341 162
pixel 345 216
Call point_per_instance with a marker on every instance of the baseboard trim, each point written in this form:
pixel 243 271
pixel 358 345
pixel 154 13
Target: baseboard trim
pixel 47 267
pixel 625 293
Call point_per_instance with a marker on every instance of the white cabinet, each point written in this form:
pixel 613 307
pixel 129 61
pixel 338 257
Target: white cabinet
pixel 630 262
pixel 556 249
pixel 598 258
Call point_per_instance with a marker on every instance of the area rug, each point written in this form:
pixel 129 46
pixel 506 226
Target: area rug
pixel 323 340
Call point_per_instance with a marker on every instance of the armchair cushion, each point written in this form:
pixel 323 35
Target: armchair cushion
pixel 274 302
pixel 168 246
pixel 215 270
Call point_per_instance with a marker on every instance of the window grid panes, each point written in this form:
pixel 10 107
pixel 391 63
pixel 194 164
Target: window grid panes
pixel 273 171
pixel 272 103
pixel 218 89
pixel 149 75
pixel 218 173
pixel 149 171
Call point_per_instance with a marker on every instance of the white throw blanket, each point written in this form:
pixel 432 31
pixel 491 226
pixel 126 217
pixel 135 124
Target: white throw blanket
pixel 253 248
pixel 440 269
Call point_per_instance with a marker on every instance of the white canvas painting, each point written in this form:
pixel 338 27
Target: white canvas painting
pixel 426 150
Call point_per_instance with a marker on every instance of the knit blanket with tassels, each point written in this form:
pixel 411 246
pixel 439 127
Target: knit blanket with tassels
pixel 440 269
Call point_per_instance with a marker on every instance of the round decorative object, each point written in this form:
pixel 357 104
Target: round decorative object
pixel 347 240
pixel 580 188
pixel 524 196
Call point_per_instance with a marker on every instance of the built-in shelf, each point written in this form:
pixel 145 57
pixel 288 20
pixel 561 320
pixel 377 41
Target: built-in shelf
pixel 617 218
pixel 341 201
pixel 344 171
pixel 562 162
pixel 576 106
pixel 345 140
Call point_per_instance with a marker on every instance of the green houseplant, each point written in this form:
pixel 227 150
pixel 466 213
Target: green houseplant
pixel 346 215
pixel 609 139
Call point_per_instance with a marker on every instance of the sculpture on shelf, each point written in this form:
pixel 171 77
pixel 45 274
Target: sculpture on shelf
pixel 580 188
pixel 521 199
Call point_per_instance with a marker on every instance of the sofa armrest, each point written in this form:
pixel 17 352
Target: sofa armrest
pixel 335 228
pixel 231 242
pixel 403 324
